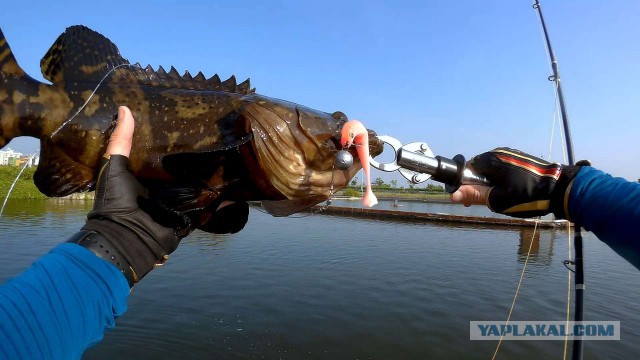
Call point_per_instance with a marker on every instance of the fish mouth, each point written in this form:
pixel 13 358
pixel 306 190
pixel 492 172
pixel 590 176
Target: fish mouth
pixel 376 146
pixel 296 146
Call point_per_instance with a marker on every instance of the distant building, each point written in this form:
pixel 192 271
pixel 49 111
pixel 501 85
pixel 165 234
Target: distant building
pixel 9 157
pixel 25 160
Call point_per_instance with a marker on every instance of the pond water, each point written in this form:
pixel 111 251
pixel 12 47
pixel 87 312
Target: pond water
pixel 326 287
pixel 421 206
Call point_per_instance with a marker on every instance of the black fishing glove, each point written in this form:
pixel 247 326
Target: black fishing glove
pixel 125 227
pixel 524 185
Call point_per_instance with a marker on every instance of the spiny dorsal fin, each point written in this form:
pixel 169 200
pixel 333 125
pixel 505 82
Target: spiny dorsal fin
pixel 80 54
pixel 83 55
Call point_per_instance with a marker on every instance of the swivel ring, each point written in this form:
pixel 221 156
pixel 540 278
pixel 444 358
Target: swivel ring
pixel 392 166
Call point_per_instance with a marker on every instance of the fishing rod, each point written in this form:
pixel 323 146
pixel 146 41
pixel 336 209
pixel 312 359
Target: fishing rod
pixel 416 163
pixel 579 261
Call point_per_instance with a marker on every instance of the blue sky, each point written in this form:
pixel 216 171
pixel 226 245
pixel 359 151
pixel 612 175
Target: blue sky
pixel 463 76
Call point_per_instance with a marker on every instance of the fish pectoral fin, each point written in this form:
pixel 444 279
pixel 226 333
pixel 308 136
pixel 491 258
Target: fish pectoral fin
pixel 185 199
pixel 228 219
pixel 205 209
pixel 288 207
pixel 58 175
pixel 201 166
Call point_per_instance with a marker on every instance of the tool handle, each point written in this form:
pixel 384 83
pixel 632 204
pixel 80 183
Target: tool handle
pixel 451 172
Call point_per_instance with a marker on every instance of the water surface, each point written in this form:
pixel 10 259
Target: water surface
pixel 326 287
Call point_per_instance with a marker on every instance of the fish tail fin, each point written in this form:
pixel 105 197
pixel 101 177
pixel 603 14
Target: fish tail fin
pixel 10 73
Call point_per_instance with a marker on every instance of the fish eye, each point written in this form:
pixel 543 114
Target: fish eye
pixel 339 115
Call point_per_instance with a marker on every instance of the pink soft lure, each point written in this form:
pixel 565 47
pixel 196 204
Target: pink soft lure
pixel 354 133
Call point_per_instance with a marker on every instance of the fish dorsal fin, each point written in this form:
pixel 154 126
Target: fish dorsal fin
pixel 80 54
pixel 83 55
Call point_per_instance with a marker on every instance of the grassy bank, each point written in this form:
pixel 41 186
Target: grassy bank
pixel 24 189
pixel 413 194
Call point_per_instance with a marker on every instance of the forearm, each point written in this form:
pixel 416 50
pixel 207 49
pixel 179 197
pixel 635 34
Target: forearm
pixel 60 306
pixel 610 208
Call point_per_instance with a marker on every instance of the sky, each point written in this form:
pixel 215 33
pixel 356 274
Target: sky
pixel 463 76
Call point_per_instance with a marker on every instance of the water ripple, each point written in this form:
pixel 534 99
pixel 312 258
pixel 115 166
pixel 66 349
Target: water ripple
pixel 326 287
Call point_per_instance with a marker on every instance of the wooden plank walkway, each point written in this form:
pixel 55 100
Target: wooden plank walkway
pixel 435 217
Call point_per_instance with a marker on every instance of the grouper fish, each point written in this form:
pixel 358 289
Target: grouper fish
pixel 198 142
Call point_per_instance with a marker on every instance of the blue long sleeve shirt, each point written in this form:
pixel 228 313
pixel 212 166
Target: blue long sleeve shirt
pixel 61 305
pixel 64 302
pixel 610 208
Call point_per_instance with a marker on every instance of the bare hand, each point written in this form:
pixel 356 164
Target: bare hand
pixel 471 195
pixel 120 141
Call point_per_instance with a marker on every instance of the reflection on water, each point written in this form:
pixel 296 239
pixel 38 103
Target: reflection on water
pixel 540 251
pixel 327 287
pixel 27 209
pixel 422 206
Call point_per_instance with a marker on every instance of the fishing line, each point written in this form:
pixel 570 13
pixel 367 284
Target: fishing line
pixel 54 133
pixel 315 211
pixel 564 157
pixel 91 96
pixel 555 90
pixel 556 118
pixel 566 338
pixel 515 297
pixel 557 112
pixel 329 199
pixel 16 180
pixel 553 127
pixel 578 346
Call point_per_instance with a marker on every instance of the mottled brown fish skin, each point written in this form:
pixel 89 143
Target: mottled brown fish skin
pixel 217 137
pixel 167 121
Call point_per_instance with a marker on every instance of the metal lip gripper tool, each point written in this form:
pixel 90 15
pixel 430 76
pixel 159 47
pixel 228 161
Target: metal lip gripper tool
pixel 415 162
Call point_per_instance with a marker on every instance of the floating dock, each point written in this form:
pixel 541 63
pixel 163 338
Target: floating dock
pixel 394 215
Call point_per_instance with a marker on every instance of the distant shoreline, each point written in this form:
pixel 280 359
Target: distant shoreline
pixel 26 189
pixel 437 200
pixel 393 215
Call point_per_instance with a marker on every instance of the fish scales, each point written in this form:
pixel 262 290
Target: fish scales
pixel 198 142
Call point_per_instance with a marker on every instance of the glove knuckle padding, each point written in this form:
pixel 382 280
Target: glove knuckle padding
pixel 525 186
